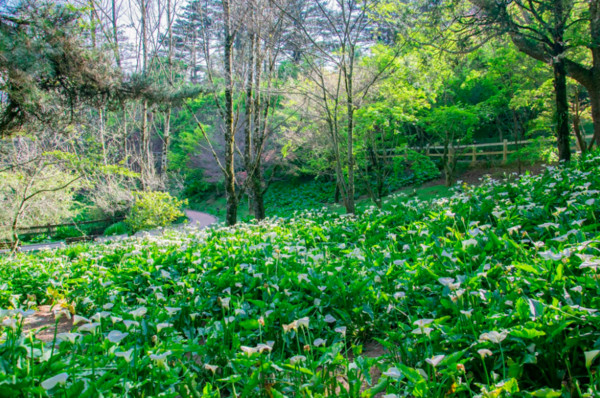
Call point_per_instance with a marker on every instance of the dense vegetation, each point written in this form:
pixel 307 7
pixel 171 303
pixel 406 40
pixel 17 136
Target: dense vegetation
pixel 491 292
pixel 214 100
pixel 317 123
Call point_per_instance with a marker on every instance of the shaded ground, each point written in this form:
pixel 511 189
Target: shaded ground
pixel 371 349
pixel 473 176
pixel 43 323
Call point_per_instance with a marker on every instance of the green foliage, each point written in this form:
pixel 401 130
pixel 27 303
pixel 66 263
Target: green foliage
pixel 154 209
pixel 285 198
pixel 541 149
pixel 195 186
pixel 420 168
pixel 68 232
pixel 473 295
pixel 118 228
pixel 49 69
pixel 452 124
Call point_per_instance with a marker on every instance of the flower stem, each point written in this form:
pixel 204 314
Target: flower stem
pixel 503 362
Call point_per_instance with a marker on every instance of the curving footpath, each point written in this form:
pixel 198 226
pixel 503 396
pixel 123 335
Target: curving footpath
pixel 197 219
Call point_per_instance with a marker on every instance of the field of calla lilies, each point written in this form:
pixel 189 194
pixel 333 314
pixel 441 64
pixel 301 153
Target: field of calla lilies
pixel 492 292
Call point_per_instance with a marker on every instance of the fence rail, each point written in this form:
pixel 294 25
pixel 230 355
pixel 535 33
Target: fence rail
pixel 49 228
pixel 470 150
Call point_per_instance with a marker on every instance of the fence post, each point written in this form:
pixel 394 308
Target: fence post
pixel 474 155
pixel 505 152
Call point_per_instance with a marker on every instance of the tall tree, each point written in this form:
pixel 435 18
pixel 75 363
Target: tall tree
pixel 558 32
pixel 229 35
pixel 264 31
pixel 187 34
pixel 145 155
pixel 240 49
pixel 170 77
pixel 332 53
pixel 466 24
pixel 47 69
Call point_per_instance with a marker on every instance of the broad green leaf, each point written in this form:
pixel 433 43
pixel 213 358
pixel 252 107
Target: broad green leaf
pixel 526 333
pixel 546 393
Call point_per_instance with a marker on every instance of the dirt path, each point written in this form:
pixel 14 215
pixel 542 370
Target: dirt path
pixel 196 219
pixel 43 323
pixel 199 220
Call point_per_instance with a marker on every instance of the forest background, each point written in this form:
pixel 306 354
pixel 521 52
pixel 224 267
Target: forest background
pixel 263 107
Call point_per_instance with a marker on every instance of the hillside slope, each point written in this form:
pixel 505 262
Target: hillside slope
pixel 492 291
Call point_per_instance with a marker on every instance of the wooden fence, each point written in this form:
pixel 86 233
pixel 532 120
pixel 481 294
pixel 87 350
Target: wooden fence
pixel 473 151
pixel 97 228
pixel 49 229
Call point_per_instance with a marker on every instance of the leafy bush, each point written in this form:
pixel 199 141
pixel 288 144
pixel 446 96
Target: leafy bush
pixel 119 228
pixel 67 232
pixel 154 209
pixel 113 197
pixel 414 169
pixel 283 198
pixel 541 149
pixel 195 185
pixel 422 167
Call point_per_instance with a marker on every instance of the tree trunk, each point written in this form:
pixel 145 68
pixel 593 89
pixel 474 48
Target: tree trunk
pixel 20 210
pixel 14 232
pixel 517 129
pixel 125 138
pixel 102 136
pixel 581 144
pixel 258 202
pixel 594 88
pixel 145 151
pixel 560 84
pixel 93 23
pixel 249 113
pixel 577 130
pixel 595 105
pixel 350 207
pixel 194 74
pixel 115 34
pixel 449 160
pixel 167 128
pixel 232 199
pixel 165 149
pixel 260 131
pixel 562 110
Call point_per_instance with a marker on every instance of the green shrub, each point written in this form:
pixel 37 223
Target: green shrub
pixel 153 209
pixel 415 168
pixel 422 167
pixel 541 149
pixel 119 228
pixel 66 231
pixel 195 185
